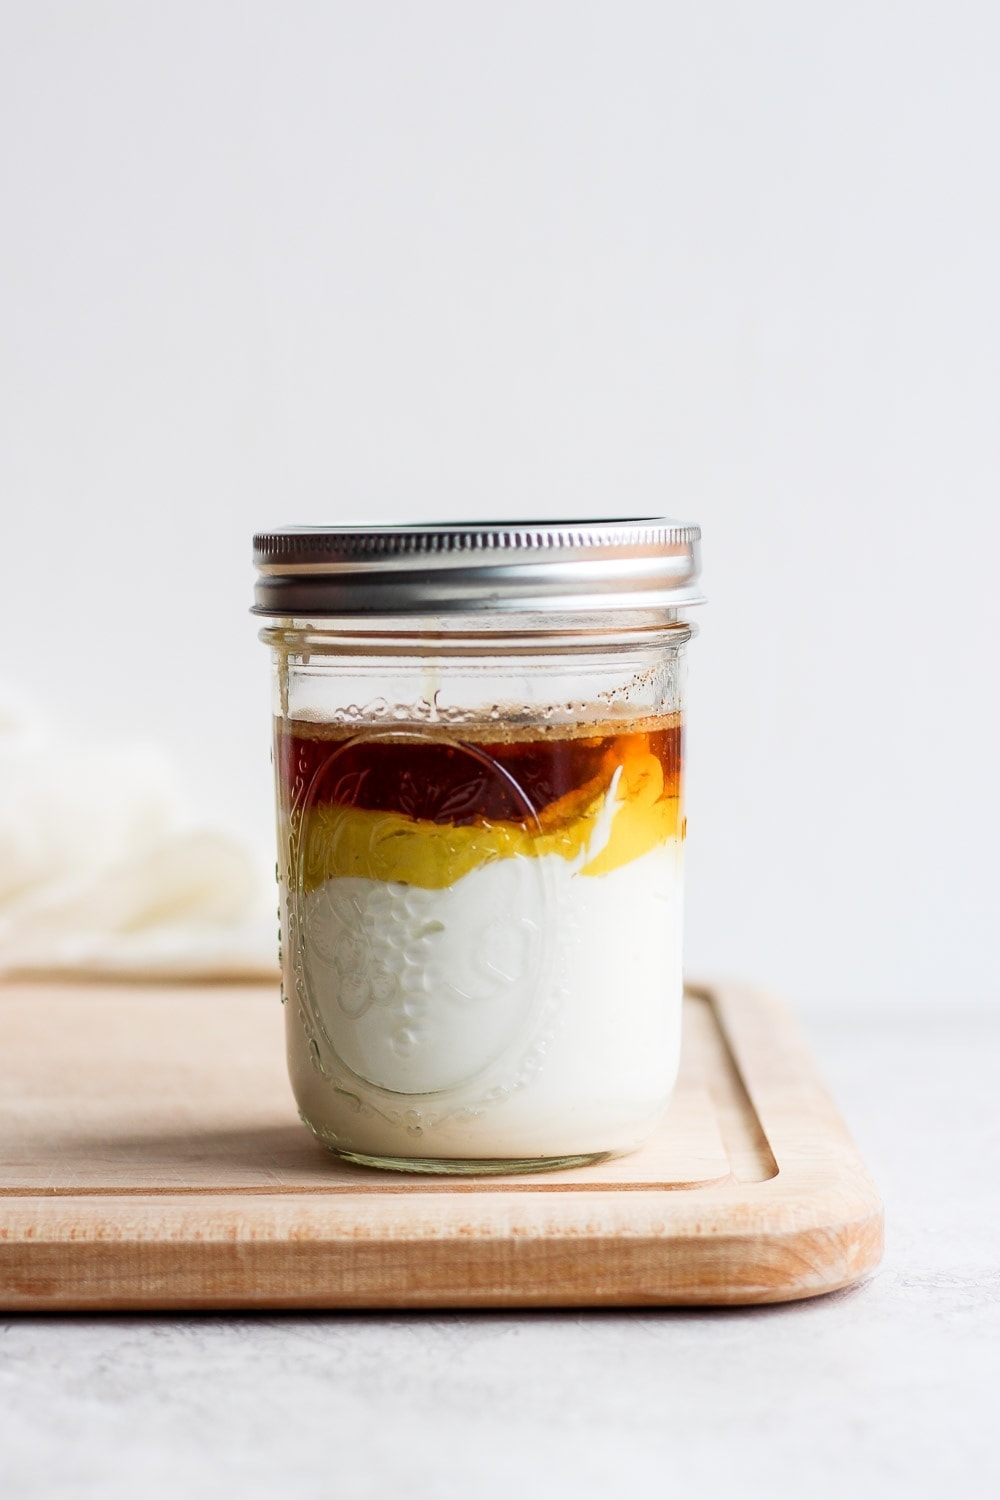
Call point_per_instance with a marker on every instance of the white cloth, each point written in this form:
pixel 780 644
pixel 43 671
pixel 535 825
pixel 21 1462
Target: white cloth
pixel 102 872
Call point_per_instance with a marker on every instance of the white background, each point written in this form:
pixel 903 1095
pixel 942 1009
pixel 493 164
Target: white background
pixel 263 263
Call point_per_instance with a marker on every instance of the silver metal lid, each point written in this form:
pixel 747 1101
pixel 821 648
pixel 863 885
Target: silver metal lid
pixel 509 566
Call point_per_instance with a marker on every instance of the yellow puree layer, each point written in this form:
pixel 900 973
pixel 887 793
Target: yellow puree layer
pixel 414 851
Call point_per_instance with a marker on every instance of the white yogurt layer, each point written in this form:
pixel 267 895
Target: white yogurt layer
pixel 526 1011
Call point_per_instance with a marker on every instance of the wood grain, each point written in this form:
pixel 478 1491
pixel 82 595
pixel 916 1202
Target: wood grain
pixel 151 1157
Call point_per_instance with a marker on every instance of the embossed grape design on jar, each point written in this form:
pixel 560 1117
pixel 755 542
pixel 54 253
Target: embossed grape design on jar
pixel 478 736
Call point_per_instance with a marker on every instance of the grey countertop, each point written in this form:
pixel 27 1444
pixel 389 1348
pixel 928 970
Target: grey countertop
pixel 888 1389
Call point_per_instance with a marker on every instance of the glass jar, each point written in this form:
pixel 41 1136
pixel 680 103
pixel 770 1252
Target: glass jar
pixel 478 759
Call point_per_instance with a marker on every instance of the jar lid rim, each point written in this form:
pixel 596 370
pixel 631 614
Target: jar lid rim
pixel 456 567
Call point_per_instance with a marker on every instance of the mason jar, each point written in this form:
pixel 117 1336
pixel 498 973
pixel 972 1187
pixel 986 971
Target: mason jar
pixel 478 754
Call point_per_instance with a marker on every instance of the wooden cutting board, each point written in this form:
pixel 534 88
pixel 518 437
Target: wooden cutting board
pixel 151 1157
